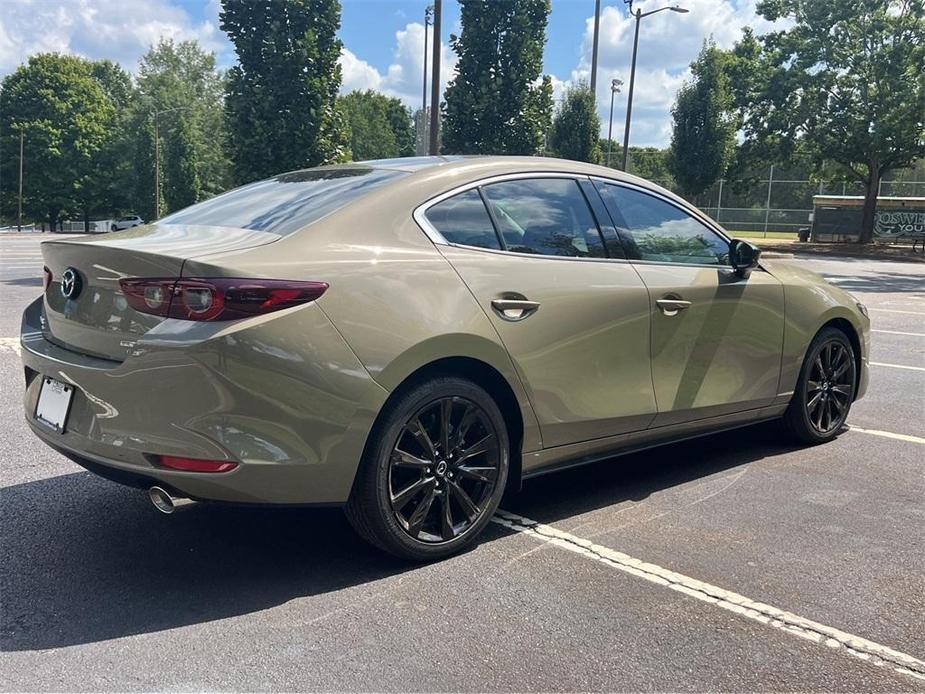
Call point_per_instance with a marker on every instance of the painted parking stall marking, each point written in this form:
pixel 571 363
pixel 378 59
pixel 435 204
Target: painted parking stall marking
pixel 888 435
pixel 898 366
pixel 768 615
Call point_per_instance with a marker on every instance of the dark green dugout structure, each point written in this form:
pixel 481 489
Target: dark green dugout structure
pixel 837 218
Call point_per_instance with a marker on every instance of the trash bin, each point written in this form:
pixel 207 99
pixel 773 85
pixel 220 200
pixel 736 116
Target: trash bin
pixel 803 234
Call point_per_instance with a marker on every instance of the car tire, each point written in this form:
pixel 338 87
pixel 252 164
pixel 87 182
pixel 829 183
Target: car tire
pixel 113 228
pixel 825 389
pixel 422 494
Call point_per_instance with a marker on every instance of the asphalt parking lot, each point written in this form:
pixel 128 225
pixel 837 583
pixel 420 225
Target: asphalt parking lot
pixel 735 562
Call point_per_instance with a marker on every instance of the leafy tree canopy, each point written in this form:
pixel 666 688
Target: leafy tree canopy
pixel 576 126
pixel 498 103
pixel 67 119
pixel 380 126
pixel 703 137
pixel 281 95
pixel 843 84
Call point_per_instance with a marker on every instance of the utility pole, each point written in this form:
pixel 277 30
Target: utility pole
pixel 435 84
pixel 428 12
pixel 157 171
pixel 19 204
pixel 597 31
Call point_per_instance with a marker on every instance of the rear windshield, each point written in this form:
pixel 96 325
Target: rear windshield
pixel 285 203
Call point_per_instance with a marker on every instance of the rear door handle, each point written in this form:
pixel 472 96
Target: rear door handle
pixel 514 309
pixel 671 307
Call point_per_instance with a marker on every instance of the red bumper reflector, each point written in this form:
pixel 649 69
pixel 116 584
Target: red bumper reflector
pixel 195 464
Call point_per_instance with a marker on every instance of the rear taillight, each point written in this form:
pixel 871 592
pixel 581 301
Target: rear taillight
pixel 217 298
pixel 46 279
pixel 195 464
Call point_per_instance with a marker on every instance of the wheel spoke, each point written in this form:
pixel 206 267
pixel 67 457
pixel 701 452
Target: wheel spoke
pixel 843 391
pixel 400 500
pixel 813 386
pixel 416 521
pixel 475 449
pixel 446 517
pixel 814 402
pixel 404 459
pixel 479 474
pixel 417 430
pixel 469 418
pixel 446 413
pixel 840 371
pixel 818 365
pixel 468 506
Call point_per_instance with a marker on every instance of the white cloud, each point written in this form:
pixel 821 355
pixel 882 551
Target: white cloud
pixel 117 29
pixel 403 76
pixel 668 42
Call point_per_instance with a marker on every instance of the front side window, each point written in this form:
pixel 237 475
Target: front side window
pixel 286 203
pixel 657 230
pixel 545 216
pixel 463 219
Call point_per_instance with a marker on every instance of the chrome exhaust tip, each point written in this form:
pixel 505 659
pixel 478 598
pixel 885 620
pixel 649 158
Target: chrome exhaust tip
pixel 165 502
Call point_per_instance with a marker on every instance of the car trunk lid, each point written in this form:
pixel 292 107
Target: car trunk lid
pixel 85 309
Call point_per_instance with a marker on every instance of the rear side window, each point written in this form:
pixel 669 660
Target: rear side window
pixel 463 219
pixel 287 202
pixel 545 216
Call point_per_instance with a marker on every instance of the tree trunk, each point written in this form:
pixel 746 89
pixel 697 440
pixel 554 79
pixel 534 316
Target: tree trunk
pixel 870 203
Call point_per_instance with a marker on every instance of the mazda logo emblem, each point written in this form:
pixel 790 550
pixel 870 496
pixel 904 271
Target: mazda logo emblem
pixel 70 283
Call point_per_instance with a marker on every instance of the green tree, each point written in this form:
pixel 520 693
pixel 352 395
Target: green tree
pixel 576 127
pixel 844 84
pixel 67 121
pixel 380 126
pixel 182 187
pixel 281 95
pixel 497 103
pixel 179 81
pixel 703 137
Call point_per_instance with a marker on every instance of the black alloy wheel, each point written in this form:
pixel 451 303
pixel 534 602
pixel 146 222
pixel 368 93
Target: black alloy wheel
pixel 434 470
pixel 825 389
pixel 443 469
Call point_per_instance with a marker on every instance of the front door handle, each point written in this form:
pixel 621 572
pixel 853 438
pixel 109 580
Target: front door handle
pixel 514 309
pixel 671 307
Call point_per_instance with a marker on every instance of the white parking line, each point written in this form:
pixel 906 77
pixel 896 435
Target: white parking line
pixel 897 332
pixel 895 310
pixel 768 615
pixel 887 434
pixel 898 366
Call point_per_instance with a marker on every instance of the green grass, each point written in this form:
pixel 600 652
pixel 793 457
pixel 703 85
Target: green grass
pixel 764 235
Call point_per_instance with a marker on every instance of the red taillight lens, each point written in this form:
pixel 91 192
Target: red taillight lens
pixel 195 464
pixel 46 279
pixel 218 298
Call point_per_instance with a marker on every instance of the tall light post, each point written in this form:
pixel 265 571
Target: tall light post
pixel 594 42
pixel 615 85
pixel 435 84
pixel 157 157
pixel 428 18
pixel 638 14
pixel 22 136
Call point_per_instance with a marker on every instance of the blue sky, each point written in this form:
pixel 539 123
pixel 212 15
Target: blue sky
pixel 383 42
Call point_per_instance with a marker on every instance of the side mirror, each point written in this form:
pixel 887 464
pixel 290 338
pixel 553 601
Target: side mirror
pixel 743 257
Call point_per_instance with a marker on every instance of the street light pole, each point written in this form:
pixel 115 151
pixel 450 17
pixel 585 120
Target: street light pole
pixel 157 157
pixel 594 42
pixel 19 203
pixel 428 12
pixel 614 88
pixel 638 14
pixel 435 84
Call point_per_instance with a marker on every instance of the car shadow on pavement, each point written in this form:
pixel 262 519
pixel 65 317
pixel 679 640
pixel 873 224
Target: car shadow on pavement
pixel 84 560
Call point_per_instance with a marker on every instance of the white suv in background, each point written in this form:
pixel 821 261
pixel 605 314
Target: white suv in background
pixel 126 223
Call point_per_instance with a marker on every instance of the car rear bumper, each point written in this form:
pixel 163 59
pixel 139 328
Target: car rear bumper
pixel 294 414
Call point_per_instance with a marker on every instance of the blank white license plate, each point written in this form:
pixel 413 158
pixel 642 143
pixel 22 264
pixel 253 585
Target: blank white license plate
pixel 54 403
